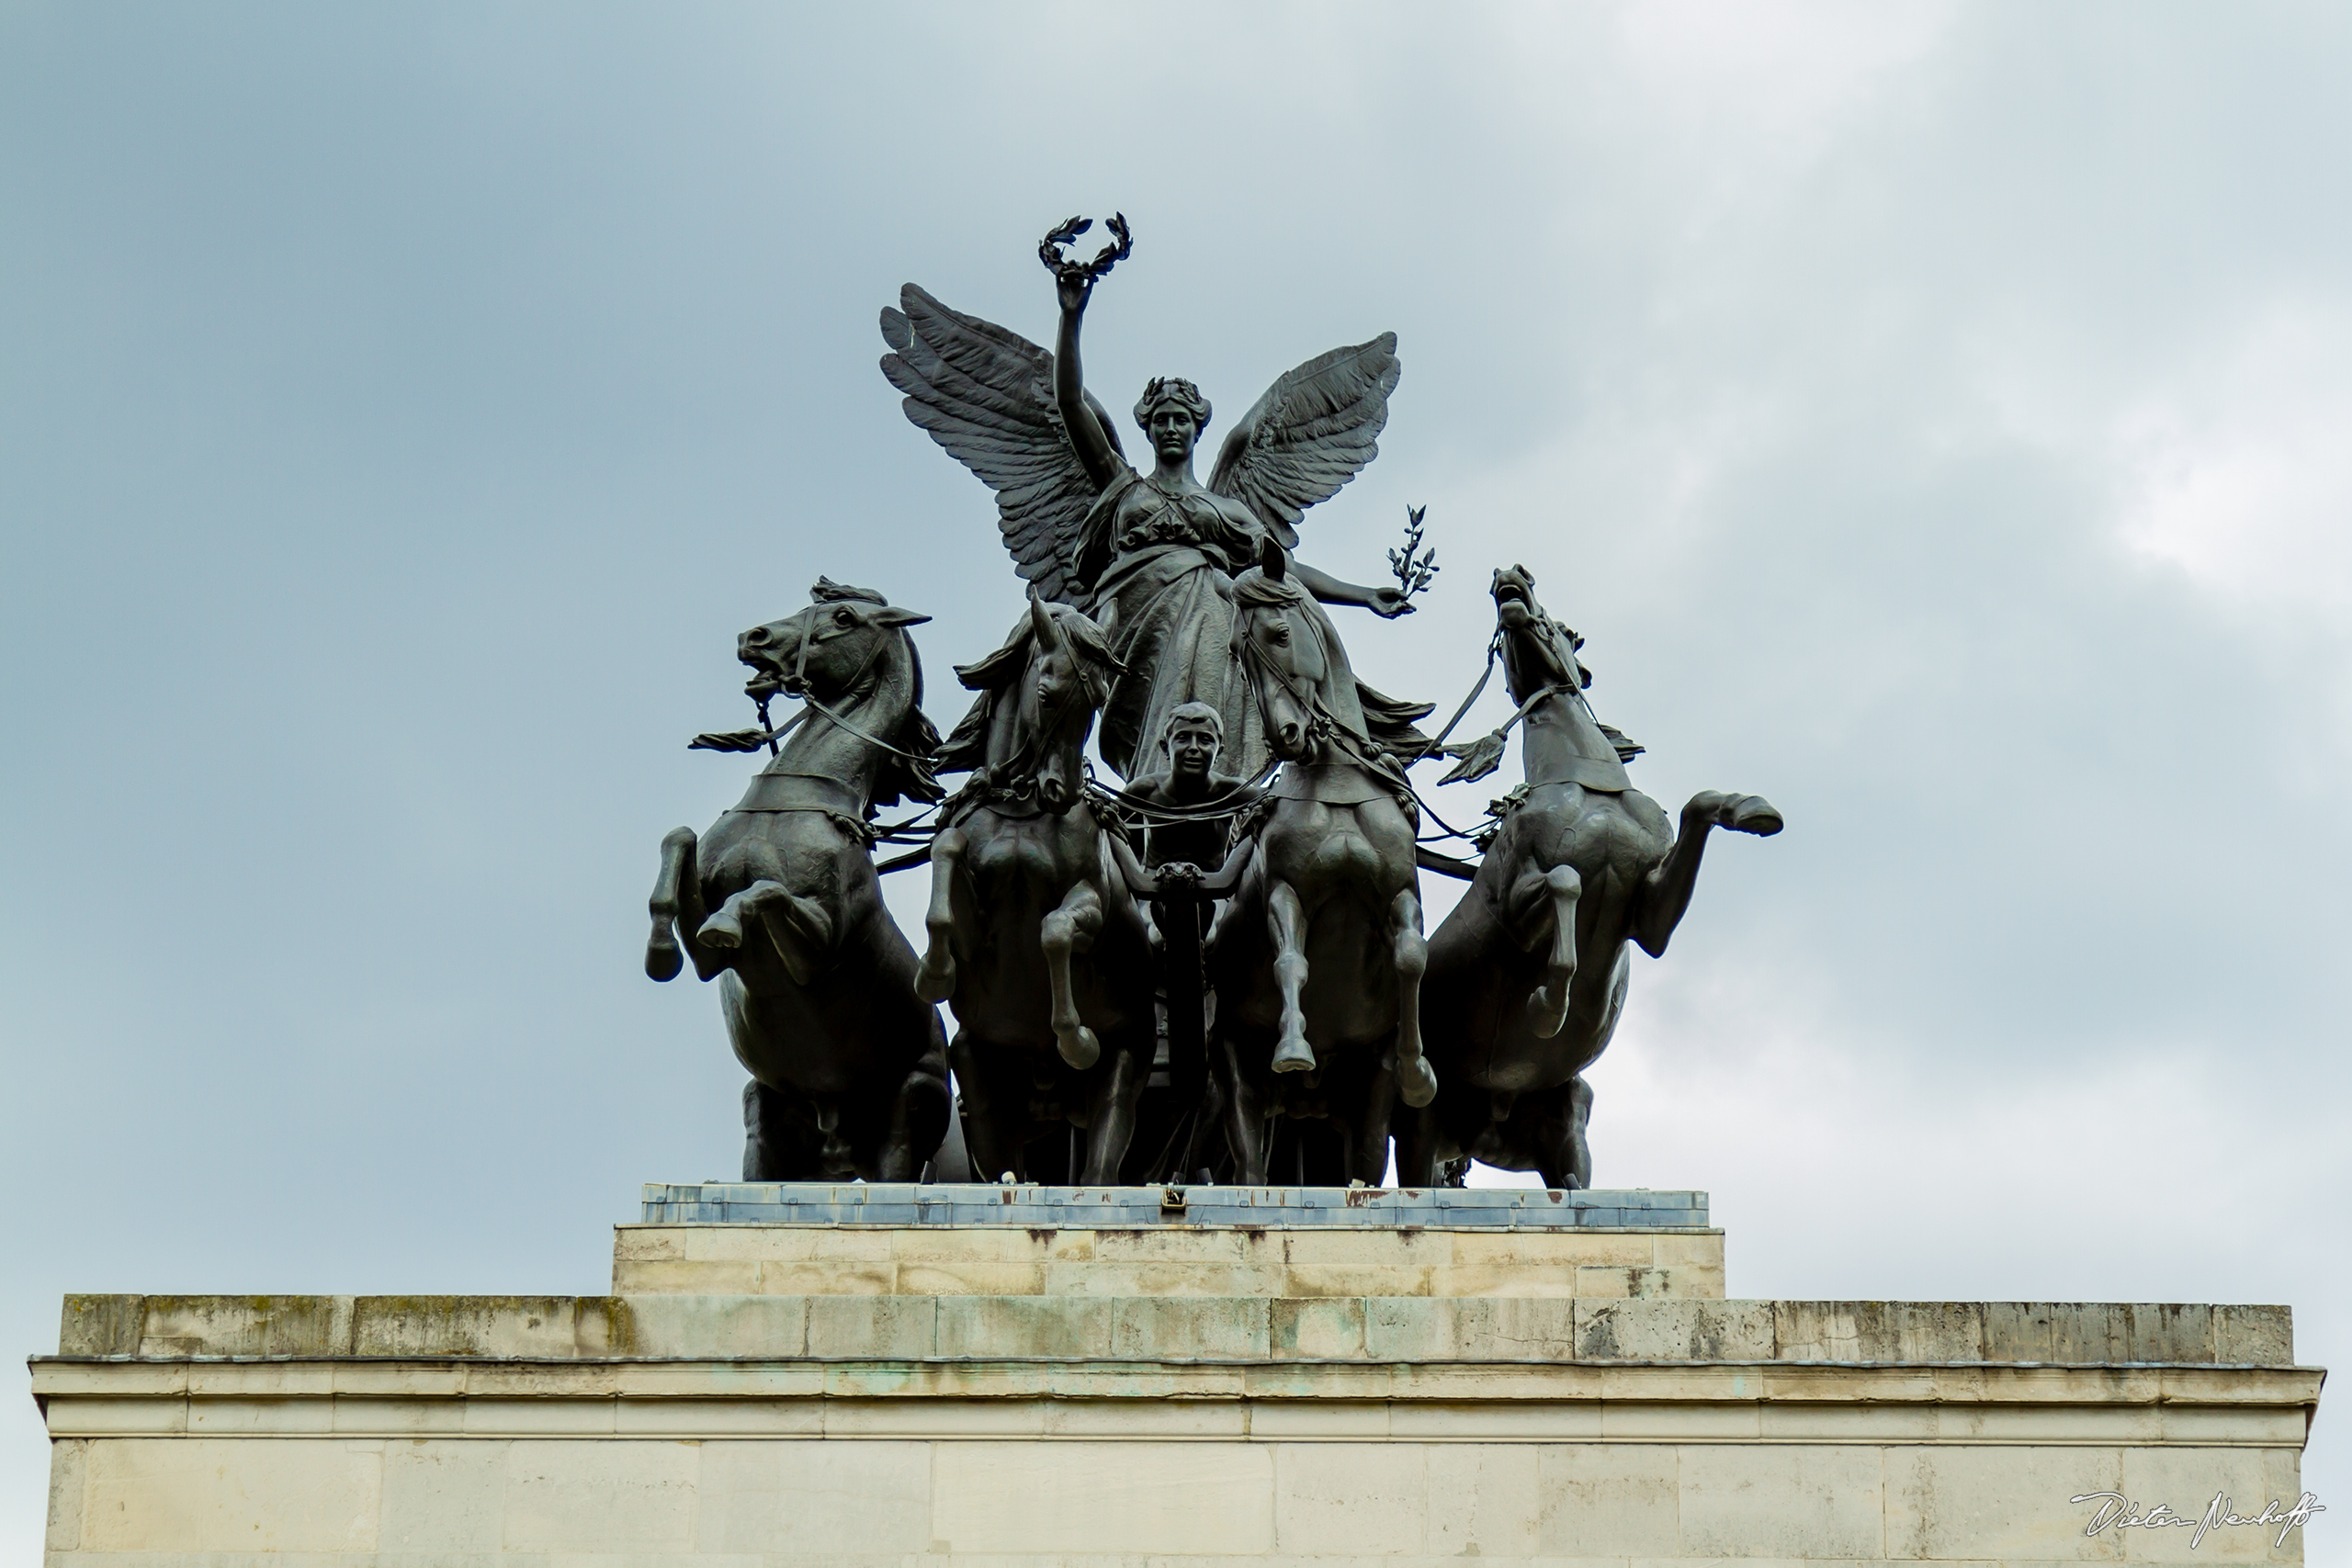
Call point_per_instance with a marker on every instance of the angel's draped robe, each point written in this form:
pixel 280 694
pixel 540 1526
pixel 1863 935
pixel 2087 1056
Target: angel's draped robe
pixel 1164 587
pixel 1163 593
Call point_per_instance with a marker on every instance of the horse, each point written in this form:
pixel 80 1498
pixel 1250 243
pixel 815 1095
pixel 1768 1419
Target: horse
pixel 1316 961
pixel 1035 943
pixel 780 902
pixel 1527 975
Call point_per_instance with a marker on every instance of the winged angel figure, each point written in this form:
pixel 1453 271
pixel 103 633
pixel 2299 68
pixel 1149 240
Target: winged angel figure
pixel 1148 555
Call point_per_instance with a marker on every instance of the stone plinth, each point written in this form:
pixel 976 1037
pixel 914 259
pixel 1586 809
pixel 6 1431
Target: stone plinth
pixel 993 1206
pixel 1256 1244
pixel 1152 1388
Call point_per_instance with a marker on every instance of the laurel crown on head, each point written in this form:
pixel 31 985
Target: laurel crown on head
pixel 1163 389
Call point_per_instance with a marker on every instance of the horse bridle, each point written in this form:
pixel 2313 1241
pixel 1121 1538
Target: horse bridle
pixel 1322 723
pixel 1015 779
pixel 797 686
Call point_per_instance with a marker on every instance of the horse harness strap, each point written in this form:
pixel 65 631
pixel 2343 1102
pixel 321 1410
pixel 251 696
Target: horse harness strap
pixel 1018 803
pixel 1334 783
pixel 807 792
pixel 1013 806
pixel 1606 775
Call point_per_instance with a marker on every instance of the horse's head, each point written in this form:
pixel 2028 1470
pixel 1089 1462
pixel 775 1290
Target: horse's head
pixel 1041 691
pixel 1538 652
pixel 1066 684
pixel 827 649
pixel 1279 641
pixel 851 649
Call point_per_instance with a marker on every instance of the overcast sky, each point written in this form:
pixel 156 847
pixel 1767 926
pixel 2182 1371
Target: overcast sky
pixel 1935 418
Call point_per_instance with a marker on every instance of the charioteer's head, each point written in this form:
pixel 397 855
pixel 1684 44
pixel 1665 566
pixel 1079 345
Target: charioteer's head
pixel 1173 413
pixel 1195 736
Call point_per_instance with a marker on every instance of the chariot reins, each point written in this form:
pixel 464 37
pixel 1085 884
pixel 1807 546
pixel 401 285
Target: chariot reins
pixel 1235 799
pixel 1323 722
pixel 1494 651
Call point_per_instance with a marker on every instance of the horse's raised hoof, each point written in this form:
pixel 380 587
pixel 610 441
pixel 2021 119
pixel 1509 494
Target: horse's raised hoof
pixel 720 931
pixel 936 983
pixel 1416 1082
pixel 663 957
pixel 1294 1055
pixel 1082 1050
pixel 1544 1016
pixel 1753 813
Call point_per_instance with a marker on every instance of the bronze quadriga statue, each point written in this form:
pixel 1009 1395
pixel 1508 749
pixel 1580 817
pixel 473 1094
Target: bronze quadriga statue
pixel 1035 943
pixel 1307 1020
pixel 780 902
pixel 1527 975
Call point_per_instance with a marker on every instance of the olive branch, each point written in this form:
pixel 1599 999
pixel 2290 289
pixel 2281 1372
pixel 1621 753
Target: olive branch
pixel 1413 575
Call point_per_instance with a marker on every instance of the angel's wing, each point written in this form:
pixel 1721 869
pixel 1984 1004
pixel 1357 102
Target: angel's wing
pixel 1309 434
pixel 986 395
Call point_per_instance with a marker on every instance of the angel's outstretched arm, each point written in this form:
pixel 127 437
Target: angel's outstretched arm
pixel 1386 603
pixel 1095 452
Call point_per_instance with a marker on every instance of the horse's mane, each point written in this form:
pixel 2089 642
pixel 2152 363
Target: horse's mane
pixel 966 747
pixel 1255 588
pixel 913 774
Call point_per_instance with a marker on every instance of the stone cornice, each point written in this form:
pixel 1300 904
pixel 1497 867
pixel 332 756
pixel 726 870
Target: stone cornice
pixel 1716 1401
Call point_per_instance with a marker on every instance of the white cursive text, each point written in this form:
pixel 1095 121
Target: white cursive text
pixel 2118 1512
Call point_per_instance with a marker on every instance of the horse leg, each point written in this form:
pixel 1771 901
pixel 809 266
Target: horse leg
pixel 1666 892
pixel 1579 1116
pixel 1417 1142
pixel 725 926
pixel 833 1154
pixel 1286 923
pixel 919 1113
pixel 935 981
pixel 663 957
pixel 1547 1008
pixel 774 1148
pixel 1208 1114
pixel 798 929
pixel 993 1145
pixel 1367 1141
pixel 1245 1118
pixel 1069 928
pixel 1416 1080
pixel 763 1146
pixel 1112 1123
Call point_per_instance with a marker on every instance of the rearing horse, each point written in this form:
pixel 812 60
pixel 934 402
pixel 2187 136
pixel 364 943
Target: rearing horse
pixel 1035 943
pixel 1527 975
pixel 780 901
pixel 1317 960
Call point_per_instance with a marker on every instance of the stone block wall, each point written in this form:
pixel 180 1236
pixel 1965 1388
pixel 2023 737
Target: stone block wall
pixel 1156 1395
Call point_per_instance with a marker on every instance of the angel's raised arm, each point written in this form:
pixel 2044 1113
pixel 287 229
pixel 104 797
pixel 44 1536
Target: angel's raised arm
pixel 1096 452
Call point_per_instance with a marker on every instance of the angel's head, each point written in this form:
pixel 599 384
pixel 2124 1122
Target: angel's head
pixel 1173 413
